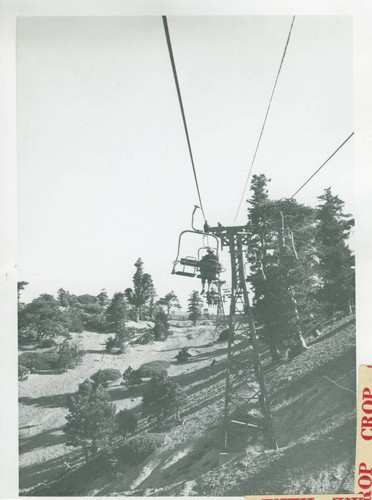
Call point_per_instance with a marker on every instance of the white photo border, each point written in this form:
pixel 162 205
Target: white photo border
pixel 361 10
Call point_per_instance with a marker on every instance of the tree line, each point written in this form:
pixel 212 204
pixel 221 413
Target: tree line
pixel 46 317
pixel 301 267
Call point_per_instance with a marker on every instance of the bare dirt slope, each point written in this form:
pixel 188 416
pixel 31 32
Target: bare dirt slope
pixel 313 398
pixel 43 398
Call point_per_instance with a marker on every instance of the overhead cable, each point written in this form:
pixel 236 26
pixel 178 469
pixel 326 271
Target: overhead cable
pixel 321 166
pixel 165 23
pixel 265 119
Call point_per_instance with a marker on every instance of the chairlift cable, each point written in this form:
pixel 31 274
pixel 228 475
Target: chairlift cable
pixel 265 119
pixel 321 166
pixel 167 35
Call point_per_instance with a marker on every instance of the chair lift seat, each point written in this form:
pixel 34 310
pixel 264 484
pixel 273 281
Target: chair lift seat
pixel 183 273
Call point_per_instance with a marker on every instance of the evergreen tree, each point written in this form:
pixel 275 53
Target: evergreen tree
pixel 127 422
pixel 151 302
pixel 103 299
pixel 283 266
pixel 163 396
pixel 91 419
pixel 63 297
pixel 21 285
pixel 161 326
pixel 143 289
pixel 170 300
pixel 116 313
pixel 195 306
pixel 70 354
pixel 41 319
pixel 336 259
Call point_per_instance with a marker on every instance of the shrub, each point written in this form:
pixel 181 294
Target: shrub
pixel 161 326
pixel 146 338
pixel 115 344
pixel 76 324
pixel 23 372
pixel 70 354
pixel 153 369
pixel 159 331
pixel 224 335
pixel 86 387
pixel 103 376
pixel 48 342
pixel 95 323
pixel 140 447
pixel 132 377
pixel 183 355
pixel 127 422
pixel 39 361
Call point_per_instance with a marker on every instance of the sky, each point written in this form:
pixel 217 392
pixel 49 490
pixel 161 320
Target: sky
pixel 104 175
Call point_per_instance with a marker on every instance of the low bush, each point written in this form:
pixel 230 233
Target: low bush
pixel 153 369
pixel 224 335
pixel 132 377
pixel 95 323
pixel 115 344
pixel 139 448
pixel 183 355
pixel 70 355
pixel 48 342
pixel 103 376
pixel 39 360
pixel 145 338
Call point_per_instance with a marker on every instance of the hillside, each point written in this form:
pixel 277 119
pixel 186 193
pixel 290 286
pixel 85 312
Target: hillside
pixel 313 404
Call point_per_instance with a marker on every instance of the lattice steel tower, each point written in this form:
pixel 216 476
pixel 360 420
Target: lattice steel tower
pixel 246 401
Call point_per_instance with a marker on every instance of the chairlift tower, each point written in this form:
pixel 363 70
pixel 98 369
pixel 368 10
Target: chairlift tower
pixel 246 400
pixel 221 322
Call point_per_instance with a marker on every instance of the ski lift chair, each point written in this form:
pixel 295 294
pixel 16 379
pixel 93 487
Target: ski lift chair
pixel 189 266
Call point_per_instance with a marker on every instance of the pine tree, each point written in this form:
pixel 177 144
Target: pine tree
pixel 195 306
pixel 91 420
pixel 70 354
pixel 143 289
pixel 151 302
pixel 336 259
pixel 163 396
pixel 283 266
pixel 170 300
pixel 41 319
pixel 63 297
pixel 116 313
pixel 21 285
pixel 103 299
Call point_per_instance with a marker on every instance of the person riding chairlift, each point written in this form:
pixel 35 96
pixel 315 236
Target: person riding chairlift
pixel 208 268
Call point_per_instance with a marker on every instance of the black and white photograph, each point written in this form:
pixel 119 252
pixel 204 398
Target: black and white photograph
pixel 186 255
